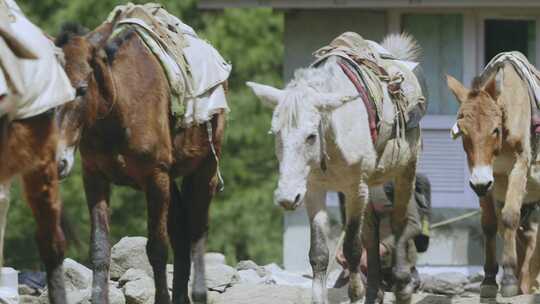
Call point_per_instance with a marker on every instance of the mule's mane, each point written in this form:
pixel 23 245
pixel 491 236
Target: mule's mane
pixel 302 90
pixel 68 31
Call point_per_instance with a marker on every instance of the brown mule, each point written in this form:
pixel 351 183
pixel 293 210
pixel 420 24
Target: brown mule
pixel 122 125
pixel 28 147
pixel 494 122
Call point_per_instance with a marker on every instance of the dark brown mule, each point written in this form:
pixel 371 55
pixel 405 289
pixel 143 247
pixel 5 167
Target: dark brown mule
pixel 122 125
pixel 28 147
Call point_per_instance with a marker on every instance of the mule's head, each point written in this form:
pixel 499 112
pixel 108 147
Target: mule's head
pixel 480 125
pixel 83 54
pixel 296 124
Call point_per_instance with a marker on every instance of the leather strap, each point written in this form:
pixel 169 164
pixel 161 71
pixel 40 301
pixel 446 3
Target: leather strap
pixel 364 96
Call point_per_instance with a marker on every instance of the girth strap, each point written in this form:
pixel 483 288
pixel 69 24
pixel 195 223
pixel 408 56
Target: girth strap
pixel 372 116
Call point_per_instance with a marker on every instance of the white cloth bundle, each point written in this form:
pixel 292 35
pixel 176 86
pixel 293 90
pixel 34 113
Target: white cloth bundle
pixel 45 84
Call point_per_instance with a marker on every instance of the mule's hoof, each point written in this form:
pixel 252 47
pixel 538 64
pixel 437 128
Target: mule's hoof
pixel 403 293
pixel 488 291
pixel 199 297
pixel 402 275
pixel 510 290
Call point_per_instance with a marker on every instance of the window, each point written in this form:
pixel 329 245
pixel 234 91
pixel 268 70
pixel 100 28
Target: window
pixel 509 35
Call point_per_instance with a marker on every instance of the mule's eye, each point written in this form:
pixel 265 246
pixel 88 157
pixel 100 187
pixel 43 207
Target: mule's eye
pixel 496 132
pixel 81 91
pixel 311 138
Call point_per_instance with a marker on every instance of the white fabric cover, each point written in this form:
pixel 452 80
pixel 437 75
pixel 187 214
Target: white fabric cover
pixel 523 67
pixel 205 96
pixel 45 83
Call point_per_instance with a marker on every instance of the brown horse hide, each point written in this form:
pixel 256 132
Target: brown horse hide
pixel 122 124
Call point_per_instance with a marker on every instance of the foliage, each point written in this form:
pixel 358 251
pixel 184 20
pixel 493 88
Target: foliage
pixel 244 222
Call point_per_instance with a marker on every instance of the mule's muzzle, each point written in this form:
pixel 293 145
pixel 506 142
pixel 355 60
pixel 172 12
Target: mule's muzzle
pixel 63 169
pixel 289 204
pixel 481 189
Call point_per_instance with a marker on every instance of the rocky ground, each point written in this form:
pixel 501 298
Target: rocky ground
pixel 247 283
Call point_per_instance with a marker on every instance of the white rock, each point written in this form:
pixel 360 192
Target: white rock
pixel 76 276
pixel 140 291
pixel 250 276
pixel 445 283
pixel 212 258
pixel 132 275
pixel 28 299
pixel 83 296
pixel 129 252
pixel 248 264
pixel 262 294
pixel 219 277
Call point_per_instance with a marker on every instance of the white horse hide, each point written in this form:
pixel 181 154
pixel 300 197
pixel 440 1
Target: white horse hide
pixel 351 133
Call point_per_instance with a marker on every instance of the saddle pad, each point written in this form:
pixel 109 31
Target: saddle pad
pixel 43 82
pixel 524 68
pixel 194 68
pixel 393 88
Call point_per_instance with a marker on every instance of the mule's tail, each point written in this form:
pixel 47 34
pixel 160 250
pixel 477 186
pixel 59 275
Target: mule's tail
pixel 402 46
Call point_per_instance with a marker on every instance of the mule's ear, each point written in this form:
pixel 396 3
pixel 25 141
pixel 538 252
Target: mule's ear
pixel 331 101
pixel 268 95
pixel 493 86
pixel 457 88
pixel 99 37
pixel 456 131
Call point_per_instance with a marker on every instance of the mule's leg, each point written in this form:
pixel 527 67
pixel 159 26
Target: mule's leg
pixel 318 250
pixel 529 234
pixel 198 190
pixel 198 288
pixel 41 190
pixel 510 217
pixel 158 195
pixel 4 207
pixel 489 287
pixel 97 191
pixel 403 232
pixel 356 202
pixel 179 227
pixel 370 236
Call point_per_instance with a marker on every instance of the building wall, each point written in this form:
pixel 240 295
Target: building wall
pixel 453 43
pixel 308 30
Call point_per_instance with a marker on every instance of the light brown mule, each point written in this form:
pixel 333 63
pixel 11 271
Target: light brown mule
pixel 494 121
pixel 28 147
pixel 122 124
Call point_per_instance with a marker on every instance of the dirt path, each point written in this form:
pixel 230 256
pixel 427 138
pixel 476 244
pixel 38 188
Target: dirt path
pixel 273 294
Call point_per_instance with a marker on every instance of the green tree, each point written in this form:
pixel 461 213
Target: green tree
pixel 244 222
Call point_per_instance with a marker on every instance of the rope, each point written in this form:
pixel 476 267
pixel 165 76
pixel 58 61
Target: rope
pixel 211 140
pixel 455 219
pixel 434 226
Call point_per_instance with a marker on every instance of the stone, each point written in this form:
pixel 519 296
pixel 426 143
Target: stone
pixel 219 277
pixel 76 276
pixel 262 294
pixel 132 275
pixel 129 252
pixel 28 299
pixel 445 283
pixel 477 277
pixel 27 290
pixel 276 275
pixel 250 276
pixel 83 296
pixel 214 258
pixel 140 291
pixel 473 287
pixel 248 264
pixel 138 286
